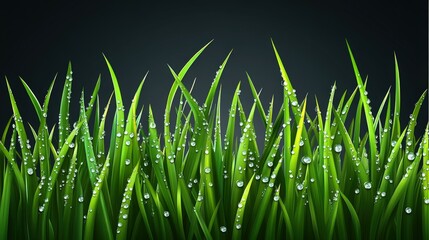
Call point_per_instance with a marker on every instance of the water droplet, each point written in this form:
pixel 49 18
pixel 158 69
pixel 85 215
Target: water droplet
pixel 71 145
pixel 265 179
pixel 240 184
pixel 223 229
pixel 427 201
pixel 166 213
pixel 118 135
pixel 240 205
pixel 125 216
pixel 393 143
pixel 338 148
pixel 270 164
pixel 357 190
pixel 207 170
pixel 367 185
pixel 276 198
pixel 294 103
pixel 127 162
pixel 238 226
pixel 411 156
pixel 152 125
pixel 193 144
pixel 41 208
pixel 128 143
pixel 80 199
pixel 146 196
pixel 301 143
pixel 30 171
pixel 306 160
pixel 300 186
pixel 408 210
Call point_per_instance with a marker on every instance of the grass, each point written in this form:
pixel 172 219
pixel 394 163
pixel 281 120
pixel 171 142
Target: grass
pixel 337 175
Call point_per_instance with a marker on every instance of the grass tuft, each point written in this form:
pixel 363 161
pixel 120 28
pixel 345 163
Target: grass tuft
pixel 328 176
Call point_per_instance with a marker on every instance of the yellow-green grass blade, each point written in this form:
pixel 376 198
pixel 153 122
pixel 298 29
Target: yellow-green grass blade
pixel 210 95
pixel 5 203
pixel 141 198
pixel 237 231
pixel 397 195
pixel 157 161
pixel 396 128
pixel 33 99
pixel 354 217
pixel 380 110
pixel 119 125
pixel 258 100
pixel 45 198
pixel 64 125
pixel 129 153
pixel 69 198
pixel 425 184
pixel 121 232
pixel 178 78
pixel 293 164
pixel 27 166
pixel 15 169
pixel 289 229
pixel 238 173
pixel 380 205
pixel 289 92
pixel 93 206
pixel 410 142
pixel 369 119
pixel 263 196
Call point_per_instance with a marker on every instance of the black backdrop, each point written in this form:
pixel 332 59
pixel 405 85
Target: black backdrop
pixel 37 41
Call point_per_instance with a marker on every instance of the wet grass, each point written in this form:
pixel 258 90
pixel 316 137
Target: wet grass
pixel 338 174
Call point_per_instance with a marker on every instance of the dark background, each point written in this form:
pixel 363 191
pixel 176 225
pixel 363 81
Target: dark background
pixel 37 41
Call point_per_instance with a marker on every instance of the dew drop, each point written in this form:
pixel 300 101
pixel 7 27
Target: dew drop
pixel 152 125
pixel 338 148
pixel 146 196
pixel 408 210
pixel 223 229
pixel 238 226
pixel 240 184
pixel 80 199
pixel 306 160
pixel 367 185
pixel 30 171
pixel 207 170
pixel 411 156
pixel 276 198
pixel 71 145
pixel 357 190
pixel 127 162
pixel 166 214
